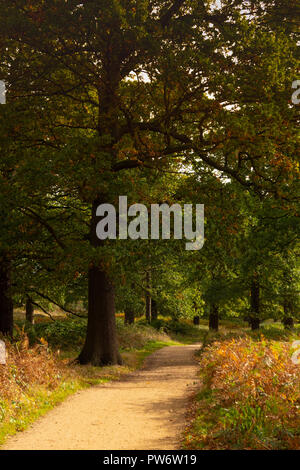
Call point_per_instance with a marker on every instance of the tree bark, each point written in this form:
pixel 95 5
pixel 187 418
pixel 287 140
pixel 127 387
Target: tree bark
pixel 29 311
pixel 6 303
pixel 254 323
pixel 154 312
pixel 288 320
pixel 148 298
pixel 101 346
pixel 214 318
pixel 254 319
pixel 288 323
pixel 148 308
pixel 129 317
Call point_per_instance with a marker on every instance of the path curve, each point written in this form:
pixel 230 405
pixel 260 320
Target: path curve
pixel 146 410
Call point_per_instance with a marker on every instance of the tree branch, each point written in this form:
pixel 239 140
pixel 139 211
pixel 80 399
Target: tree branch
pixel 126 164
pixel 167 16
pixel 46 225
pixel 42 308
pixel 58 305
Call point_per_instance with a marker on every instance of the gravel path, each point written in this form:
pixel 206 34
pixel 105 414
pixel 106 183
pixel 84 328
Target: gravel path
pixel 146 410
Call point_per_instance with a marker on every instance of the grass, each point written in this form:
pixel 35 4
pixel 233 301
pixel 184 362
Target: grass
pixel 250 393
pixel 150 348
pixel 18 415
pixel 276 331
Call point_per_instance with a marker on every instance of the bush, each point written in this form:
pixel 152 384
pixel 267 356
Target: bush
pixel 136 336
pixel 170 326
pixel 252 397
pixel 70 333
pixel 26 367
pixel 63 334
pixel 277 332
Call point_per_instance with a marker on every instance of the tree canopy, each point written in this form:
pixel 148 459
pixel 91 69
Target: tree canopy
pixel 184 101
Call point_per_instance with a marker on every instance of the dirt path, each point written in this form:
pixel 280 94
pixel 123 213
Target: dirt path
pixel 146 410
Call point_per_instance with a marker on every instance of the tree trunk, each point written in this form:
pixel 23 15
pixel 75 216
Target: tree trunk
pixel 129 317
pixel 214 318
pixel 154 312
pixel 255 305
pixel 254 323
pixel 288 320
pixel 6 303
pixel 148 298
pixel 288 323
pixel 29 311
pixel 148 308
pixel 101 347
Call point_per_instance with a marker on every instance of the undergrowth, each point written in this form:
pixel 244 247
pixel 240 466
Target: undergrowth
pixel 250 396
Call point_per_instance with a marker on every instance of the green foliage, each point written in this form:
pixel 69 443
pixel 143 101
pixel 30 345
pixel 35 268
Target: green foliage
pixel 69 334
pixel 224 134
pixel 61 333
pixel 277 332
pixel 172 326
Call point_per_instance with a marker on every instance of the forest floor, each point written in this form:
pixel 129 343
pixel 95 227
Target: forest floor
pixel 144 410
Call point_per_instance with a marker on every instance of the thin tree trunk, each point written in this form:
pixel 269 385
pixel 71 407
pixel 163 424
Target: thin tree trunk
pixel 154 312
pixel 148 308
pixel 148 298
pixel 288 319
pixel 255 305
pixel 29 311
pixel 129 317
pixel 214 318
pixel 101 347
pixel 288 323
pixel 6 303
